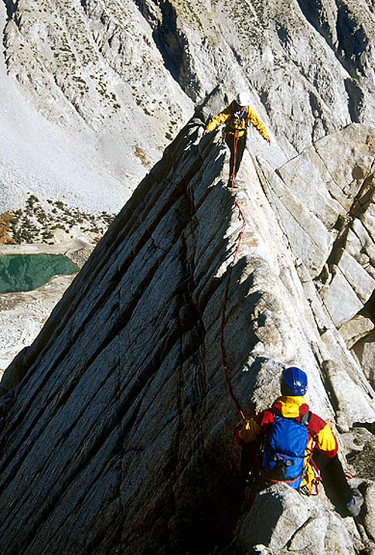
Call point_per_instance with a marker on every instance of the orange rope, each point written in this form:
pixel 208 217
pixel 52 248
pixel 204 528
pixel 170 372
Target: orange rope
pixel 241 232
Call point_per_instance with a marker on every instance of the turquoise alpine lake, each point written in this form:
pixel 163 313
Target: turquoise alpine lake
pixel 25 272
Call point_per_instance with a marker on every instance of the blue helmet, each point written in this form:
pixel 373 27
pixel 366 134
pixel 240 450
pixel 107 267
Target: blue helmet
pixel 293 381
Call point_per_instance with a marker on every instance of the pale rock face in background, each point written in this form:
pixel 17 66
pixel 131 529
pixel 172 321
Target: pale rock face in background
pixel 117 430
pixel 118 79
pixel 105 135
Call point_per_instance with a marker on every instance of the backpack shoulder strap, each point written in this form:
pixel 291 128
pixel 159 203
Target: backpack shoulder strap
pixel 305 418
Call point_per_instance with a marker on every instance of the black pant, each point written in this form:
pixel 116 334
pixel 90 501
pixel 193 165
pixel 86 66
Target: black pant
pixel 331 471
pixel 236 151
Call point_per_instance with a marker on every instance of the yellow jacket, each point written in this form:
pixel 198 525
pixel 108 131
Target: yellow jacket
pixel 320 435
pixel 240 123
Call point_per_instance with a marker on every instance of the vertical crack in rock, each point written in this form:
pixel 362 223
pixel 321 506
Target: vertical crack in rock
pixel 356 99
pixel 167 38
pixel 11 6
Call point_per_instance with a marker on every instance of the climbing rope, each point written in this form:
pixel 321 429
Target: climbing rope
pixel 241 232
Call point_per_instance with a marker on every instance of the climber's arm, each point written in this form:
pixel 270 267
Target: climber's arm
pixel 325 440
pixel 219 119
pixel 254 119
pixel 246 431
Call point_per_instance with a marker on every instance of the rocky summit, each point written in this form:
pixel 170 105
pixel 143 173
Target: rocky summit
pixel 116 423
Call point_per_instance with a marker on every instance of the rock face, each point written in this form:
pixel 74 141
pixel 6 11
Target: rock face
pixel 118 428
pixel 93 91
pixel 66 87
pixel 116 423
pixel 324 202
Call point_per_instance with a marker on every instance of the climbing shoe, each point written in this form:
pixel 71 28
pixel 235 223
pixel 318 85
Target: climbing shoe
pixel 355 504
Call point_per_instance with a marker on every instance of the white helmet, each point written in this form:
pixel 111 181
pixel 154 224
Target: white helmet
pixel 243 99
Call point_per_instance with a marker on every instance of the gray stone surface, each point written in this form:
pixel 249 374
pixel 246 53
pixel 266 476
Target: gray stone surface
pixel 116 429
pixel 295 524
pixel 83 116
pixel 118 424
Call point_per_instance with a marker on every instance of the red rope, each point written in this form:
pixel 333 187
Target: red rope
pixel 241 232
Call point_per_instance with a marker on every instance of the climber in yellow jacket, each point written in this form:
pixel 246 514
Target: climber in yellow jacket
pixel 237 117
pixel 319 448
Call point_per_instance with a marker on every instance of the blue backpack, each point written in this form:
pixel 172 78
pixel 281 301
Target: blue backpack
pixel 284 451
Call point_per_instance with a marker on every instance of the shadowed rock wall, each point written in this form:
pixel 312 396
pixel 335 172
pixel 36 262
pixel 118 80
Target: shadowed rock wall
pixel 130 389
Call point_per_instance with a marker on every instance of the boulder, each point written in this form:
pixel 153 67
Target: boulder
pixel 296 523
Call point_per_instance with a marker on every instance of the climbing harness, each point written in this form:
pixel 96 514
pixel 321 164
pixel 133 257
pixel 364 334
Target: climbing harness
pixel 238 119
pixel 241 232
pixel 315 480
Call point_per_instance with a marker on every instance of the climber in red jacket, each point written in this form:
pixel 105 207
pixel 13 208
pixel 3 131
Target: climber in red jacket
pixel 321 445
